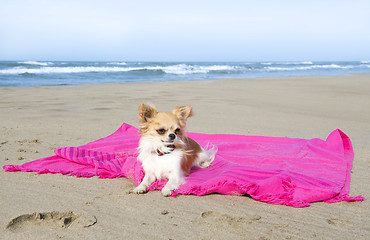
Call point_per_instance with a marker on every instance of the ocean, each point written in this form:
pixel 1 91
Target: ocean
pixel 54 73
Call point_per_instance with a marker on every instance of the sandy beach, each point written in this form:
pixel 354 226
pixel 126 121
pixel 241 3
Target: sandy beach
pixel 37 120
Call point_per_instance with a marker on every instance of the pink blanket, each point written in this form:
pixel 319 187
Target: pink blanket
pixel 293 172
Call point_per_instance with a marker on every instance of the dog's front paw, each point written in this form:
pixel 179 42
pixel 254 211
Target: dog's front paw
pixel 166 192
pixel 139 189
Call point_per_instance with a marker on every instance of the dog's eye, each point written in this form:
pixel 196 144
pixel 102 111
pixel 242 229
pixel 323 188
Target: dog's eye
pixel 177 130
pixel 161 131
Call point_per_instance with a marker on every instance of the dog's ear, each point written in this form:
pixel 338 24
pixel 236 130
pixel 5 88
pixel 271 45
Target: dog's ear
pixel 183 112
pixel 146 112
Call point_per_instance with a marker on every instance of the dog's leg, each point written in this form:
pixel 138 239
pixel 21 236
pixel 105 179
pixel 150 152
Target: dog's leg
pixel 205 158
pixel 174 182
pixel 147 181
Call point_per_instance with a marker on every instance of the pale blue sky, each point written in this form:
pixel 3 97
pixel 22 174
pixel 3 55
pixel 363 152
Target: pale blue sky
pixel 189 30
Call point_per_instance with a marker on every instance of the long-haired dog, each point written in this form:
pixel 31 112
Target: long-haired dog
pixel 165 151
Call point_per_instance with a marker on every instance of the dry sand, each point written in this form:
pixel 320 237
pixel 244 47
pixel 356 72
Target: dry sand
pixel 34 121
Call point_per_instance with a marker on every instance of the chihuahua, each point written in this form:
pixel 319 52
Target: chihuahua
pixel 165 151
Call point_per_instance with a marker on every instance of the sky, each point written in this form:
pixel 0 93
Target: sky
pixel 200 30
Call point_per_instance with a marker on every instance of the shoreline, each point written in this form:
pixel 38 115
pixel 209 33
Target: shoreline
pixel 201 80
pixel 37 120
pixel 33 73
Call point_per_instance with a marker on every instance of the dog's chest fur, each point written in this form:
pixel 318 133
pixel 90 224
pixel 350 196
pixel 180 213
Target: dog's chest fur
pixel 161 166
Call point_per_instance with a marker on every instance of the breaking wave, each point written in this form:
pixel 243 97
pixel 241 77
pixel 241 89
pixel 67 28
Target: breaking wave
pixel 331 66
pixel 36 63
pixel 179 69
pixel 37 73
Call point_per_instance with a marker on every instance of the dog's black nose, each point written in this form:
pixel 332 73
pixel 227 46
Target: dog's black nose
pixel 172 136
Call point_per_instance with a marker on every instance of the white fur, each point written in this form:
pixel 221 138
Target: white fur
pixel 167 166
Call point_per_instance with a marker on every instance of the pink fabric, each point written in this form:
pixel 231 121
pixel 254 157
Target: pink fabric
pixel 293 172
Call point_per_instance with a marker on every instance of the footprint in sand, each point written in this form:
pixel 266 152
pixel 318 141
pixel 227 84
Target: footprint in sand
pixel 219 220
pixel 62 220
pixel 211 215
pixel 28 141
pixel 337 222
pixel 221 217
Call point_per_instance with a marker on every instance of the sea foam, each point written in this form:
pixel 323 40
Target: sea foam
pixel 311 67
pixel 39 73
pixel 179 69
pixel 48 70
pixel 182 69
pixel 36 63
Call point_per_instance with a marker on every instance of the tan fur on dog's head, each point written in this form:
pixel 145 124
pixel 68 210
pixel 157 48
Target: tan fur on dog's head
pixel 153 121
pixel 183 113
pixel 146 113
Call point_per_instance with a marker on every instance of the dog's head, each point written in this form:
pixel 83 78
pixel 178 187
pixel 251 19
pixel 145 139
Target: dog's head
pixel 165 127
